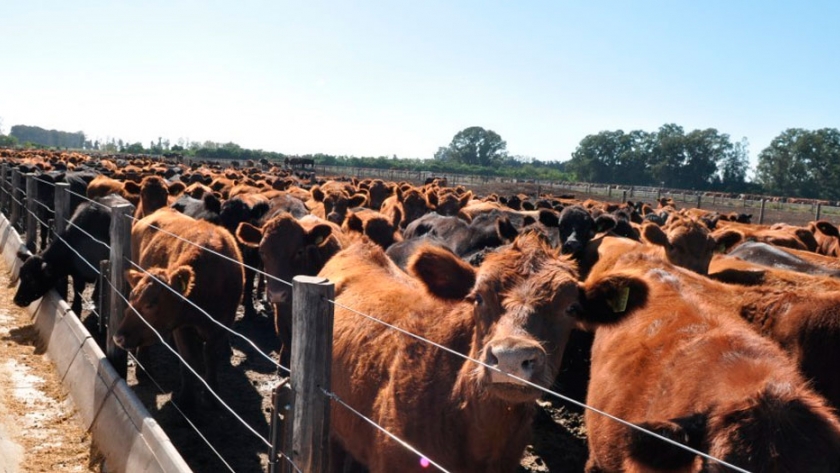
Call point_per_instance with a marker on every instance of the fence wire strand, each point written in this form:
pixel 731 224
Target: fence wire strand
pixel 541 388
pixel 187 365
pixel 175 405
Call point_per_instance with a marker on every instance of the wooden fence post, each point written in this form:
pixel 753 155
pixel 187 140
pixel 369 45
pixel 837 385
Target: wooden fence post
pixel 280 426
pixel 120 252
pixel 609 192
pixel 31 233
pixel 312 333
pixel 623 196
pixel 761 212
pixel 698 201
pixel 4 188
pixel 62 215
pixel 14 219
pixel 818 211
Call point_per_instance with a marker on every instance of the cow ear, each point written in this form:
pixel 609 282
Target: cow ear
pixel 549 218
pixel 131 187
pixel 604 223
pixel 317 193
pixel 132 277
pixel 182 280
pixel 465 199
pixel 505 229
pixel 726 240
pixel 23 255
pixel 432 198
pixel 176 188
pixel 654 235
pixel 358 200
pixel 249 235
pixel 658 455
pixel 827 228
pixel 318 235
pixel 609 299
pixel 354 223
pixel 444 274
pixel 528 205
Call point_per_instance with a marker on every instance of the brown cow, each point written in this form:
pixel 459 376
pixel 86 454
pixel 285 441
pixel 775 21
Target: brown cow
pixel 405 206
pixel 827 237
pixel 204 278
pixel 154 194
pixel 289 247
pixel 510 314
pixel 687 369
pixel 101 186
pixel 788 236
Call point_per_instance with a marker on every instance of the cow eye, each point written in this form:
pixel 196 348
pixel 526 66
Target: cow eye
pixel 478 300
pixel 574 309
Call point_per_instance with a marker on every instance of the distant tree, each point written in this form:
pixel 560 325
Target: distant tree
pixel 613 157
pixel 802 163
pixel 134 148
pixel 8 141
pixel 734 166
pixel 475 146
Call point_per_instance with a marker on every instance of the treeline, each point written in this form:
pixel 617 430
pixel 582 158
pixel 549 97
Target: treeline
pixel 49 138
pixel 669 157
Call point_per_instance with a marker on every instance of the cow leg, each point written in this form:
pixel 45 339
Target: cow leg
pixel 248 295
pixel 188 344
pixel 78 289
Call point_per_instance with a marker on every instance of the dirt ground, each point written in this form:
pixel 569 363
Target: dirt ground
pixel 39 429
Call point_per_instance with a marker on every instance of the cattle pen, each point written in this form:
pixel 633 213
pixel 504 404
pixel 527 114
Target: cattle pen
pixel 268 416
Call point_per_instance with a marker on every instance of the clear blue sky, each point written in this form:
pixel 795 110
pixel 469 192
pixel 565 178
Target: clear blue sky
pixel 371 78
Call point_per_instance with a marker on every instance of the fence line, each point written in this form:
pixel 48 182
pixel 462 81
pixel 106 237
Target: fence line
pixel 190 368
pixel 175 405
pixel 333 396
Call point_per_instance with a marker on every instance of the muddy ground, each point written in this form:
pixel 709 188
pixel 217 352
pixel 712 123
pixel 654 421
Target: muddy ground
pixel 39 428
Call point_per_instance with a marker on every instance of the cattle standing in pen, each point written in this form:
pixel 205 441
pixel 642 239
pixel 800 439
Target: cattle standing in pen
pixel 511 314
pixel 192 275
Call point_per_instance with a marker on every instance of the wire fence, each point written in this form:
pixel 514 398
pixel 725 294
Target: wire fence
pixel 331 396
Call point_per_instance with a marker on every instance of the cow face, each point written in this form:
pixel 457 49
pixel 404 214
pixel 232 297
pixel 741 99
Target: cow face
pixel 687 244
pixel 519 303
pixel 37 277
pixel 414 205
pixel 158 305
pixel 577 227
pixel 289 247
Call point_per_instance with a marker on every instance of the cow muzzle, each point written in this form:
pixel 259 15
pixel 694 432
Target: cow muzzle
pixel 523 359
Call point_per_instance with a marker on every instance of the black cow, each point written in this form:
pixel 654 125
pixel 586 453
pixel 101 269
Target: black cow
pixel 41 272
pixel 236 210
pixel 206 208
pixel 577 227
pixel 486 230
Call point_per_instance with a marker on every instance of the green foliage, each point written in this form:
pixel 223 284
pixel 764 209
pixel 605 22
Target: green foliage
pixel 48 138
pixel 474 146
pixel 700 159
pixel 802 163
pixel 8 141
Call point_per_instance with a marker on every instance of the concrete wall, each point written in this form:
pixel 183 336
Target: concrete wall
pixel 121 427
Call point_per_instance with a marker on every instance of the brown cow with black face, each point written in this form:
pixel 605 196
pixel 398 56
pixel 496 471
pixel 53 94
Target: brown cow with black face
pixel 689 368
pixel 511 314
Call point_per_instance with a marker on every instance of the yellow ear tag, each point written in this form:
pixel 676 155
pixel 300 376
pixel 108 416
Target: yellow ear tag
pixel 319 240
pixel 618 304
pixel 721 248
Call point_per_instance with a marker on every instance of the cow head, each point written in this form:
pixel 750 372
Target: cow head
pixel 522 301
pixel 577 227
pixel 687 243
pixel 36 276
pixel 155 303
pixel 289 247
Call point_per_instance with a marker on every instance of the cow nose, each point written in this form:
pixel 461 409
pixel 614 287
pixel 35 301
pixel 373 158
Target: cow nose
pixel 571 247
pixel 521 358
pixel 335 218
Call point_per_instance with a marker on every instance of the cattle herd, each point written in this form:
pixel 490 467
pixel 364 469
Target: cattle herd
pixel 712 332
